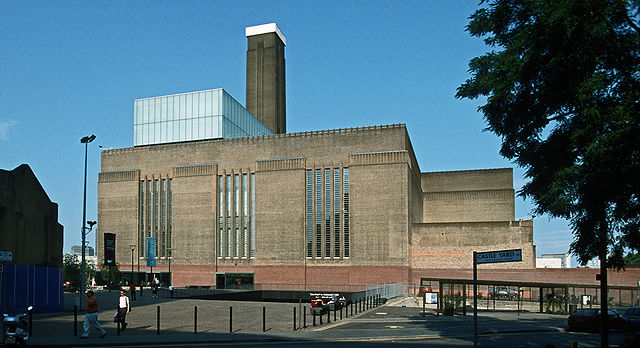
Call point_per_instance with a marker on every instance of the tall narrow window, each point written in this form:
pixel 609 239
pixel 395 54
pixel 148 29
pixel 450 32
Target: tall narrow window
pixel 229 195
pixel 236 240
pixel 148 234
pixel 141 232
pixel 163 216
pixel 169 217
pixel 309 213
pixel 220 215
pixel 253 215
pixel 327 212
pixel 345 202
pixel 336 212
pixel 245 244
pixel 155 213
pixel 318 213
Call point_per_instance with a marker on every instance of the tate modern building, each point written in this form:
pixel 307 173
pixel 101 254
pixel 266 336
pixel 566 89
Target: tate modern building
pixel 230 196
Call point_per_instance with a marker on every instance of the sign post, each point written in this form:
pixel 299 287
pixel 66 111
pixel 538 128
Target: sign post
pixel 514 255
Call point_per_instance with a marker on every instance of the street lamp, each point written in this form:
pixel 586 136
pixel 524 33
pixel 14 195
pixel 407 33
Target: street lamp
pixel 133 247
pixel 85 140
pixel 169 250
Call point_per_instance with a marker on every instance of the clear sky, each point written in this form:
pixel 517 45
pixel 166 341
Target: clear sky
pixel 73 68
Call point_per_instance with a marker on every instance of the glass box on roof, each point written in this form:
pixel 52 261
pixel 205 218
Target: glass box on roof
pixel 200 115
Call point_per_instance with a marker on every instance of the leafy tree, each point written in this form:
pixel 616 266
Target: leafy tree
pixel 562 83
pixel 632 259
pixel 563 88
pixel 111 275
pixel 72 270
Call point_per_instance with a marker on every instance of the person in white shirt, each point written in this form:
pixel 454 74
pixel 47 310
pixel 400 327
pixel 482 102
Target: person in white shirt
pixel 123 309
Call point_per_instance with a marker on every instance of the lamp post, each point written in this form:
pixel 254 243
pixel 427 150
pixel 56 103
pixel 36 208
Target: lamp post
pixel 169 250
pixel 85 140
pixel 133 247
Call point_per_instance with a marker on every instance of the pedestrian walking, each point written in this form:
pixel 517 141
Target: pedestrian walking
pixel 132 290
pixel 91 316
pixel 154 287
pixel 123 309
pixel 171 290
pixel 141 286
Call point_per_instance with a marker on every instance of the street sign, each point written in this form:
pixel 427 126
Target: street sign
pixel 6 255
pixel 514 255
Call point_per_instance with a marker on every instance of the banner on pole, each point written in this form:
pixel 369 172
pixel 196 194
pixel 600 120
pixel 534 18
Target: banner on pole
pixel 151 252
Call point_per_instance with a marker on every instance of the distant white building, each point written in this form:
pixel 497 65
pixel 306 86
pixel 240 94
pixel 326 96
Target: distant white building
pixel 593 263
pixel 77 251
pixel 554 261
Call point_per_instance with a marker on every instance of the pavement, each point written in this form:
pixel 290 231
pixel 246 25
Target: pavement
pixel 219 321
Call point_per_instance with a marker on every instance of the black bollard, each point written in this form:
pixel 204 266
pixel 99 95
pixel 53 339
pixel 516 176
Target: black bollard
pixel 230 318
pixel 75 320
pixel 264 319
pixel 118 327
pixel 351 305
pixel 340 312
pixel 334 312
pixel 294 318
pixel 304 317
pixel 320 318
pixel 158 320
pixel 329 316
pixel 195 319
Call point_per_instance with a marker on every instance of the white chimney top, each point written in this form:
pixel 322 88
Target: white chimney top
pixel 265 28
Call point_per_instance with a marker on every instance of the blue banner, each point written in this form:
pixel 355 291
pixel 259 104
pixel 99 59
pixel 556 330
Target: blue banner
pixel 151 252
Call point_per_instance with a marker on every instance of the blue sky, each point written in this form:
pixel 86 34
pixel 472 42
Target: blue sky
pixel 73 68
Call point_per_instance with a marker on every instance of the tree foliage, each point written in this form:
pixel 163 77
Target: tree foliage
pixel 111 275
pixel 72 271
pixel 562 82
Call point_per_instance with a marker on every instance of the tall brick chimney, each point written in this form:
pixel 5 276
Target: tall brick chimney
pixel 266 76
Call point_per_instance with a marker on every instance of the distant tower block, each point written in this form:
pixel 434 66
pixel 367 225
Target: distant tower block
pixel 265 76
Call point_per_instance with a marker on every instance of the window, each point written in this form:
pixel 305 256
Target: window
pixel 141 232
pixel 327 212
pixel 336 212
pixel 253 215
pixel 331 218
pixel 318 213
pixel 309 213
pixel 345 215
pixel 236 240
pixel 220 215
pixel 245 245
pixel 229 193
pixel 156 210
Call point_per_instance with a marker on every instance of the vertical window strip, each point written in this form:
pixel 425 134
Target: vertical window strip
pixel 141 232
pixel 163 216
pixel 327 212
pixel 229 193
pixel 345 178
pixel 220 215
pixel 318 204
pixel 309 213
pixel 169 217
pixel 148 234
pixel 236 240
pixel 155 213
pixel 336 212
pixel 253 215
pixel 245 244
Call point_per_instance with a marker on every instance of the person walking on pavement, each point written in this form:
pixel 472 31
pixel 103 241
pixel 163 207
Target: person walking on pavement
pixel 132 290
pixel 123 309
pixel 91 316
pixel 141 285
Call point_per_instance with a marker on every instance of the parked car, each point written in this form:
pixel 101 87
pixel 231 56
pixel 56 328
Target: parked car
pixel 633 316
pixel 589 319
